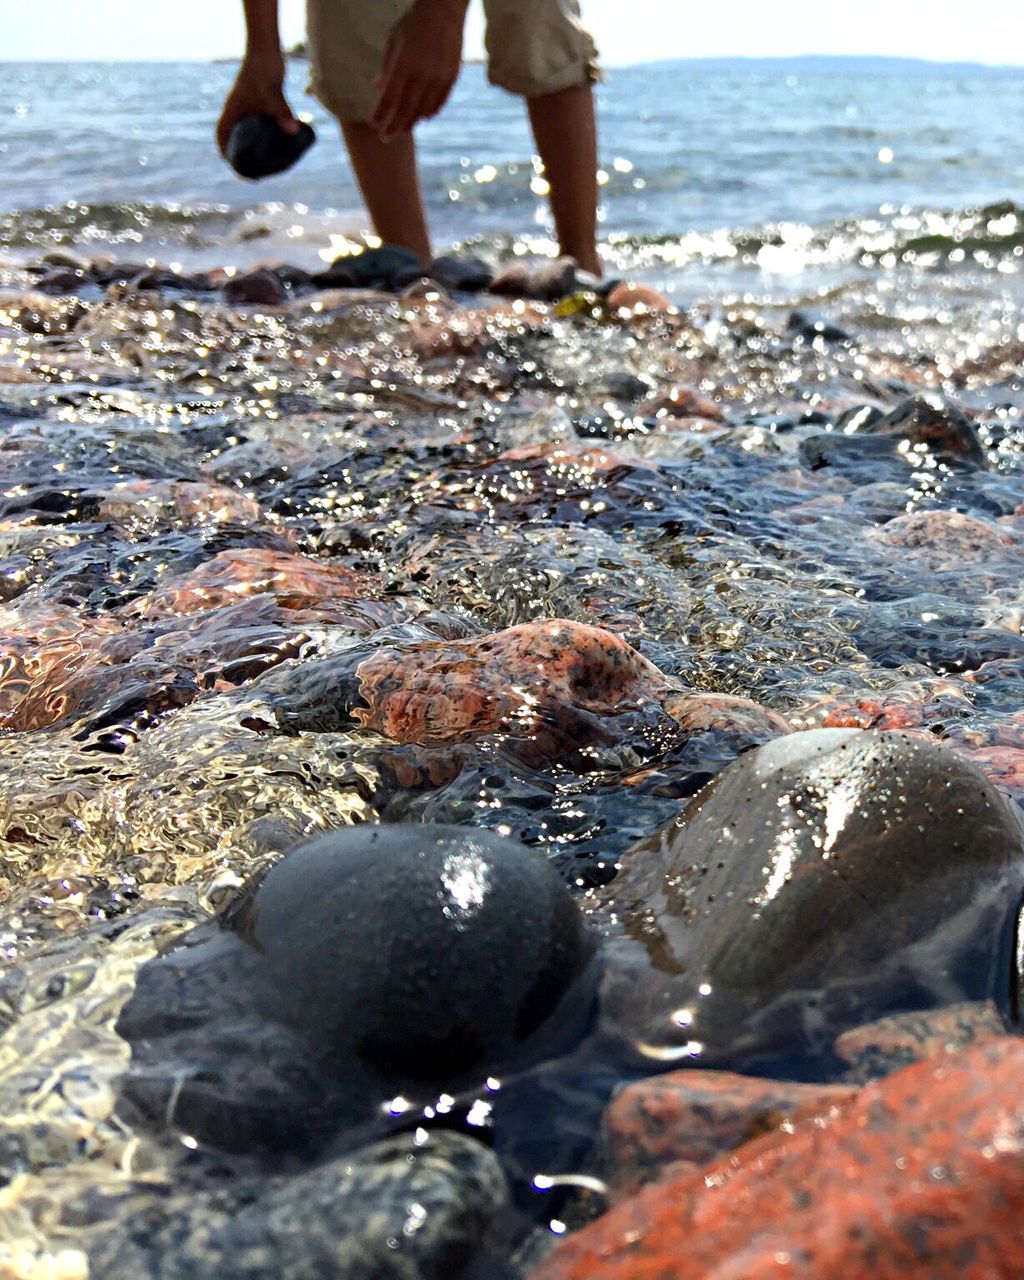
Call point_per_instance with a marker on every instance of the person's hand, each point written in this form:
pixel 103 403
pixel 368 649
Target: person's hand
pixel 421 65
pixel 258 90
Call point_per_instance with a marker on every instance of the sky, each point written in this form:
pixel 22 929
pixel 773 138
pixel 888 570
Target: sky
pixel 627 31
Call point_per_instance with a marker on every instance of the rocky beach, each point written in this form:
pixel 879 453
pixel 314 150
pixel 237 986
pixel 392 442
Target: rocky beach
pixel 506 776
pixel 285 557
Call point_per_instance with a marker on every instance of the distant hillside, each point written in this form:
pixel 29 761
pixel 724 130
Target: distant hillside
pixel 838 65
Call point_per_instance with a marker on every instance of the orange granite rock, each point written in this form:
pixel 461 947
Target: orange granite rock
pixel 920 1176
pixel 137 501
pixel 438 691
pixel 879 1048
pixel 1002 765
pixel 691 1117
pixel 944 533
pixel 294 580
pixel 533 681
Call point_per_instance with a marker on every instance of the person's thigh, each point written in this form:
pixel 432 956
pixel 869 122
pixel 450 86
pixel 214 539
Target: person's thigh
pixel 347 40
pixel 535 47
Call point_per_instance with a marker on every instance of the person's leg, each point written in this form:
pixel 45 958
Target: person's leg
pixel 389 180
pixel 347 43
pixel 566 135
pixel 541 50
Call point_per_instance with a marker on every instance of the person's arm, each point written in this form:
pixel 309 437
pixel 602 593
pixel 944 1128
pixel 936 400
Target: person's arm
pixel 259 86
pixel 421 66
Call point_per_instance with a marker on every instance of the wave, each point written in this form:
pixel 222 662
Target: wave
pixel 987 237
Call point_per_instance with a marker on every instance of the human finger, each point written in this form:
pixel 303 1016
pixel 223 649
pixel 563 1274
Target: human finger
pixel 388 65
pixel 402 91
pixel 436 100
pixel 392 90
pixel 282 113
pixel 229 117
pixel 412 109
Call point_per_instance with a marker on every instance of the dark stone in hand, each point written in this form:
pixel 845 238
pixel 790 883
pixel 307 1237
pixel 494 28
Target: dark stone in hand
pixel 258 147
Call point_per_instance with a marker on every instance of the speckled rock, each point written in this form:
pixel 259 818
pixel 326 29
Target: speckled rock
pixel 687 1118
pixel 410 1208
pixel 948 534
pixel 824 880
pixel 372 961
pixel 294 580
pixel 879 1048
pixel 544 691
pixel 540 692
pixel 920 1176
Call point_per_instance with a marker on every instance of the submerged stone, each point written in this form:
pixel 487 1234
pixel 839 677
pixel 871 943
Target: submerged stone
pixel 367 962
pixel 824 880
pixel 930 421
pixel 919 1176
pixel 344 1218
pixel 686 1118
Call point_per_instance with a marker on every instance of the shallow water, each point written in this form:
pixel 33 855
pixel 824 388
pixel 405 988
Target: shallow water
pixel 732 177
pixel 208 509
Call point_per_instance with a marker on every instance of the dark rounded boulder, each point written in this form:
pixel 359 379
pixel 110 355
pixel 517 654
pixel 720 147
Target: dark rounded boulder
pixel 372 962
pixel 824 880
pixel 428 952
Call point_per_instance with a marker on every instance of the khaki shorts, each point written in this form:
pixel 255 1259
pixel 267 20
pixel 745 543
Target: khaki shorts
pixel 534 47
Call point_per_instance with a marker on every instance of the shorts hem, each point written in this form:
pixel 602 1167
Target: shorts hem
pixel 344 111
pixel 580 71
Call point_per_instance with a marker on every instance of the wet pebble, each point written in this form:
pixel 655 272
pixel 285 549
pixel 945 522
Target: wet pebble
pixel 687 1118
pixel 931 422
pixel 882 1047
pixel 813 327
pixel 387 267
pixel 457 274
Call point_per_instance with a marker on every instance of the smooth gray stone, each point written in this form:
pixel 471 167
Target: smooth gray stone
pixel 428 952
pixel 822 881
pixel 373 962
